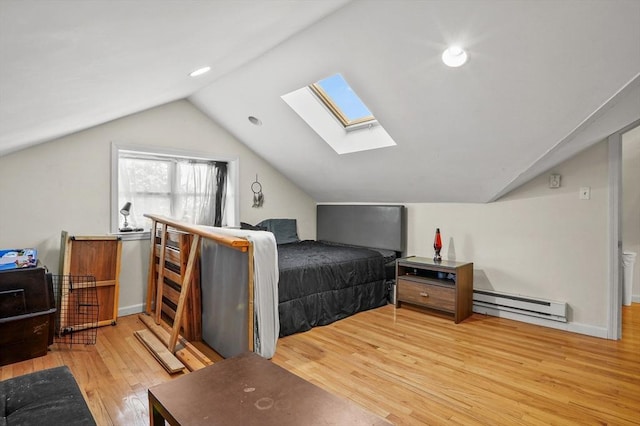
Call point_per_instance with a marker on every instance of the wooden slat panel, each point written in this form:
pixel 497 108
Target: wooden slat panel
pixel 159 351
pixel 185 242
pixel 171 293
pixel 160 280
pixel 96 256
pixel 102 323
pixel 116 292
pixel 65 264
pixel 176 278
pixel 87 284
pixel 192 322
pixel 169 311
pixel 152 279
pixel 106 300
pixel 96 237
pixel 105 283
pixel 196 358
pixel 189 359
pixel 171 255
pixel 178 256
pixel 194 252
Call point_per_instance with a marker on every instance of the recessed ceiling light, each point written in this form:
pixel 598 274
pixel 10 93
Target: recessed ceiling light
pixel 199 71
pixel 255 120
pixel 454 56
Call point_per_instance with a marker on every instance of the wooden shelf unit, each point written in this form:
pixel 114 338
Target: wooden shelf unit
pixel 98 256
pixel 445 287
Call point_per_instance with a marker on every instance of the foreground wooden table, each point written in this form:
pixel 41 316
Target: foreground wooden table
pixel 250 390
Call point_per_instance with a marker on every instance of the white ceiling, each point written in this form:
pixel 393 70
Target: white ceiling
pixel 545 79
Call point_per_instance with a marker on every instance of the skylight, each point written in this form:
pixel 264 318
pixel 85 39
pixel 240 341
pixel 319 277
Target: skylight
pixel 342 101
pixel 333 110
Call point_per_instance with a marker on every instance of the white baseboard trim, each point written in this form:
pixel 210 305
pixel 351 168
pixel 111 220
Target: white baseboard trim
pixel 130 310
pixel 589 330
pixel 573 327
pixel 635 298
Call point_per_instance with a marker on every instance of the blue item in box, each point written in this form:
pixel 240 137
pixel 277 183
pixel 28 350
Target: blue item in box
pixel 18 258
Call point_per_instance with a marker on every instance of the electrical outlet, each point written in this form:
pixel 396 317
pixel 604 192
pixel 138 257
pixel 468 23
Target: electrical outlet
pixel 585 193
pixel 554 181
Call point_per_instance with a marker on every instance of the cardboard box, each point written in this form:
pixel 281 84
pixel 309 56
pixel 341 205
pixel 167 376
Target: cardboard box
pixel 18 258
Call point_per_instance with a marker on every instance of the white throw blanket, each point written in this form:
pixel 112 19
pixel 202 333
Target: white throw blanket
pixel 265 287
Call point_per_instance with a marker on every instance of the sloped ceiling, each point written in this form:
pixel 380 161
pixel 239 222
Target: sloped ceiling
pixel 544 80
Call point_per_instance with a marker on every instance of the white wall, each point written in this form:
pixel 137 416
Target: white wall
pixel 65 185
pixel 631 201
pixel 536 241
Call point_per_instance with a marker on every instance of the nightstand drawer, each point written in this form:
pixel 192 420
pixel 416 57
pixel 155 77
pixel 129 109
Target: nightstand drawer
pixel 432 296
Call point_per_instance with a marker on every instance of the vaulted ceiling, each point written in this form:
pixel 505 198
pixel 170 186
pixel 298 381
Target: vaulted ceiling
pixel 544 80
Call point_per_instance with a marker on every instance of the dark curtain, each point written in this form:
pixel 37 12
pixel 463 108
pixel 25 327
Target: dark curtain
pixel 221 192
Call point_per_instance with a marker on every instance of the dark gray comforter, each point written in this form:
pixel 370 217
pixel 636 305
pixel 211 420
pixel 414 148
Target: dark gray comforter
pixel 322 282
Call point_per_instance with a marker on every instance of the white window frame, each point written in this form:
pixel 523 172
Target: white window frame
pixel 333 104
pixel 232 210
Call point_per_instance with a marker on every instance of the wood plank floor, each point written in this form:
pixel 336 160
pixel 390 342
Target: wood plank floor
pixel 412 368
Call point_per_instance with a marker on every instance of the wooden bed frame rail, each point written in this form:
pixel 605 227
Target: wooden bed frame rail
pixel 185 253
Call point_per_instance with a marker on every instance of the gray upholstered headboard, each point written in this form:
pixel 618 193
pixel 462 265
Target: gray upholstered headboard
pixel 375 226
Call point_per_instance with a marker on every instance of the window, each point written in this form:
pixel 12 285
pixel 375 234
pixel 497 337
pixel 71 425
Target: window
pixel 186 187
pixel 342 101
pixel 332 109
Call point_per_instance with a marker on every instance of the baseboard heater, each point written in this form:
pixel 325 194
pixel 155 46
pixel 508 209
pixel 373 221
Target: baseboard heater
pixel 485 301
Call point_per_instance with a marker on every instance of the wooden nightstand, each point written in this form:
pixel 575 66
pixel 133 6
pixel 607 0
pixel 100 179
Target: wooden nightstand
pixel 445 286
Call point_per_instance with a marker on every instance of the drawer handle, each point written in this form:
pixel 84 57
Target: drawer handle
pixel 423 294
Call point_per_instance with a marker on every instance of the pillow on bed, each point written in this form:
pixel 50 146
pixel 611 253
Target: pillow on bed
pixel 285 230
pixel 244 225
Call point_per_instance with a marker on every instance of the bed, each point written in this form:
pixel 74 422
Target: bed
pixel 321 282
pixel 348 269
pixel 326 280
